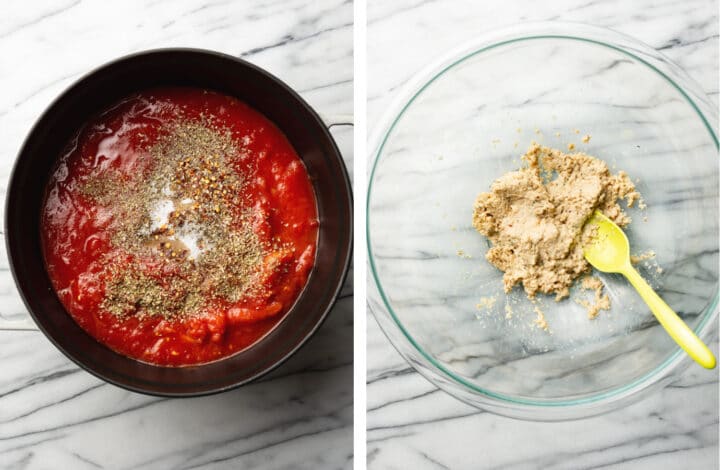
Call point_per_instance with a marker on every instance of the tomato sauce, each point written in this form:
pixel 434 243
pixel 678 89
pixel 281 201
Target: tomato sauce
pixel 77 230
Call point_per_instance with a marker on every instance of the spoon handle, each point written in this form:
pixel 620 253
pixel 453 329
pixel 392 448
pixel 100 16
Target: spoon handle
pixel 676 328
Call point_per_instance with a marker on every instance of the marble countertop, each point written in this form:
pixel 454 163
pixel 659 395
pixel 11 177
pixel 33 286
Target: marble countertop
pixel 411 423
pixel 53 414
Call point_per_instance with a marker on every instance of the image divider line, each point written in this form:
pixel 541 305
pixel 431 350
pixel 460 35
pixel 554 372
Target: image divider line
pixel 359 254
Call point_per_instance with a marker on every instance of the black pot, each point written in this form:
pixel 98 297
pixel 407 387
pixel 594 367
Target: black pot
pixel 179 67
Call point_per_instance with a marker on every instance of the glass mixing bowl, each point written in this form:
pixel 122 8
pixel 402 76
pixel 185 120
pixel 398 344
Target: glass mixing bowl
pixel 463 122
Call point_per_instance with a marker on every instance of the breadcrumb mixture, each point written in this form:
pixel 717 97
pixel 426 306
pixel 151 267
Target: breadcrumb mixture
pixel 601 301
pixel 534 217
pixel 486 303
pixel 635 259
pixel 540 319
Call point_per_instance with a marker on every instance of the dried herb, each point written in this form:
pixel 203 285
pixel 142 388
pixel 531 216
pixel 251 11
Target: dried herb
pixel 185 216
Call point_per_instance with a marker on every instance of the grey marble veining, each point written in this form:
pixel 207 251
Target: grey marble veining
pixel 53 414
pixel 411 424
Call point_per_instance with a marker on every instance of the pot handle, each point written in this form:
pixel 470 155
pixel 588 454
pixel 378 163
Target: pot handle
pixel 18 322
pixel 332 120
pixel 24 324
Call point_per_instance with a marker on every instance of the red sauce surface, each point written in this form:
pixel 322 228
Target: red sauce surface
pixel 77 231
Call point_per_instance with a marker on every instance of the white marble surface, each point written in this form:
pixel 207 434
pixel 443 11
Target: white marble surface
pixel 412 424
pixel 54 415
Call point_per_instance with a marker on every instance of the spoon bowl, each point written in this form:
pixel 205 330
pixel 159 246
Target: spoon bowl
pixel 609 249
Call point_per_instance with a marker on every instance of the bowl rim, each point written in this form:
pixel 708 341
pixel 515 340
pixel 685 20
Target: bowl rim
pixel 343 264
pixel 433 370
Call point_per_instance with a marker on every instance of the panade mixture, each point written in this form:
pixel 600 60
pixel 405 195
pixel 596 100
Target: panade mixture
pixel 534 218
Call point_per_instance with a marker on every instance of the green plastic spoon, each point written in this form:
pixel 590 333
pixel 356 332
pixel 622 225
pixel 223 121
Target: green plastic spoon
pixel 609 251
